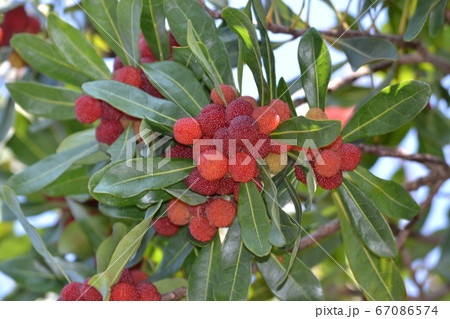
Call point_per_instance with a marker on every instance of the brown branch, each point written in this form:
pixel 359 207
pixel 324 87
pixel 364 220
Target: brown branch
pixel 323 231
pixel 174 295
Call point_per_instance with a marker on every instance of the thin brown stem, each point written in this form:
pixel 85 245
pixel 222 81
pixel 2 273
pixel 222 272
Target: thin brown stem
pixel 174 295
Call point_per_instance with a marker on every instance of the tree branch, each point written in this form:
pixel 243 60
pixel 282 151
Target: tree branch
pixel 174 295
pixel 323 231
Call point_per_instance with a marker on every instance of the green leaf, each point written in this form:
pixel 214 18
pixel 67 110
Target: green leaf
pixel 178 13
pixel 13 203
pixel 315 65
pixel 367 221
pixel 128 21
pixel 73 240
pixel 44 172
pixel 134 101
pixel 6 119
pixel 255 225
pixel 124 212
pixel 127 246
pixel 42 100
pixel 107 247
pixel 240 24
pixel 365 50
pixel 300 130
pixel 178 84
pixel 235 273
pixel 74 46
pixel 437 19
pixel 153 25
pixel 186 195
pixel 103 15
pixel 72 182
pixel 134 176
pixel 378 278
pixel 45 58
pixel 301 283
pixel 174 254
pixel 416 23
pixel 118 150
pixel 204 271
pixel 389 197
pixel 284 95
pixel 184 56
pixel 380 114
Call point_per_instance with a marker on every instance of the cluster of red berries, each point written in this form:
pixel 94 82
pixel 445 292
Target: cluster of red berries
pixel 114 121
pixel 329 162
pixel 131 287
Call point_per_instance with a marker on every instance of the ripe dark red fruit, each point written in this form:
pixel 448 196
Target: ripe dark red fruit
pixel 148 292
pixel 212 165
pixel 71 291
pixel 336 145
pixel 350 156
pixel 250 100
pixel 237 108
pixel 226 186
pixel 281 108
pixel 146 52
pixel 118 64
pixel 147 87
pixel 108 131
pixel 243 128
pixel 328 164
pixel 186 130
pixel 211 119
pixel 33 25
pixel 228 93
pixel 220 212
pixel 299 174
pixel 109 112
pixel 126 276
pixel 267 119
pixel 201 229
pixel 89 293
pixel 178 212
pixel 329 182
pixel 88 109
pixel 278 147
pixel 164 227
pixel 138 276
pixel 260 149
pixel 128 75
pixel 124 291
pixel 244 168
pixel 179 151
pixel 197 183
pixel 16 19
pixel 223 136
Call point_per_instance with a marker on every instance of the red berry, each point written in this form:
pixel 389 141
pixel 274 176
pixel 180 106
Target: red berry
pixel 110 113
pixel 33 25
pixel 212 165
pixel 299 174
pixel 226 186
pixel 88 109
pixel 126 276
pixel 328 163
pixel 281 108
pixel 128 75
pixel 350 156
pixel 242 129
pixel 211 119
pixel 336 145
pixel 178 212
pixel 108 131
pixel 118 64
pixel 146 52
pixel 279 148
pixel 250 100
pixel 71 292
pixel 243 168
pixel 228 93
pixel 220 212
pixel 237 108
pixel 164 227
pixel 186 130
pixel 172 41
pixel 201 229
pixel 148 292
pixel 197 183
pixel 199 210
pixel 267 119
pixel 261 148
pixel 147 87
pixel 223 136
pixel 138 276
pixel 179 151
pixel 89 293
pixel 124 291
pixel 16 19
pixel 329 182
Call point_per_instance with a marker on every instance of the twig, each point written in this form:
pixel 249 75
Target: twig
pixel 174 295
pixel 323 231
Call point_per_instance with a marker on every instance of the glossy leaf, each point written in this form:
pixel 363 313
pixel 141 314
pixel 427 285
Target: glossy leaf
pixel 45 58
pixel 6 119
pixel 42 173
pixel 186 195
pixel 107 247
pixel 380 114
pixel 300 130
pixel 437 19
pixel 178 84
pixel 301 284
pixel 255 225
pixel 134 176
pixel 125 212
pixel 419 18
pixel 378 278
pixel 284 95
pixel 74 46
pixel 128 22
pixel 179 13
pixel 42 100
pixel 204 271
pixel 235 271
pixel 134 101
pixel 240 24
pixel 174 254
pixel 125 143
pixel 364 50
pixel 389 197
pixel 72 182
pixel 153 25
pixel 315 65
